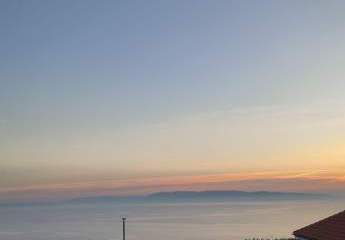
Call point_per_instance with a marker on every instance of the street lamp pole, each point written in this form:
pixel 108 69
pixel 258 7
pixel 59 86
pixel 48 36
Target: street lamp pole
pixel 123 228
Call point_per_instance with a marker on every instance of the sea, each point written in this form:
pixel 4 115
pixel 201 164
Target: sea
pixel 163 221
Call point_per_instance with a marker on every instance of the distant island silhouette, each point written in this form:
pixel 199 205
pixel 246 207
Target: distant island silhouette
pixel 204 196
pixel 187 196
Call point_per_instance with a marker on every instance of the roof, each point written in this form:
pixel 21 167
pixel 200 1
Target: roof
pixel 331 228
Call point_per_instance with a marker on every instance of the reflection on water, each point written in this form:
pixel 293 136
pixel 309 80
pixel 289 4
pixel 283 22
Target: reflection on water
pixel 189 221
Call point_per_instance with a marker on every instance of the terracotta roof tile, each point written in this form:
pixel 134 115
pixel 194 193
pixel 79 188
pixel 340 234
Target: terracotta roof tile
pixel 331 228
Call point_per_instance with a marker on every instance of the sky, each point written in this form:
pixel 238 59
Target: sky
pixel 133 97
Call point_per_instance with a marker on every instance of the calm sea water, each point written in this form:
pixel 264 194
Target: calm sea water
pixel 182 221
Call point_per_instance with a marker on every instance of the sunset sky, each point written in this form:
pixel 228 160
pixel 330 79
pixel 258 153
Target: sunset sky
pixel 133 97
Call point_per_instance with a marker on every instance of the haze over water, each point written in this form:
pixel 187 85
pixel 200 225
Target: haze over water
pixel 180 221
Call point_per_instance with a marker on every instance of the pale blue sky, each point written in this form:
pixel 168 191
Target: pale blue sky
pixel 132 60
pixel 84 73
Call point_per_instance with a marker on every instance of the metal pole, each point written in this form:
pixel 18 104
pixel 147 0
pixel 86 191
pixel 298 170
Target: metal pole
pixel 123 228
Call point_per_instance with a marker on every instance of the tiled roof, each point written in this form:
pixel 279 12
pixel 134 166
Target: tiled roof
pixel 331 228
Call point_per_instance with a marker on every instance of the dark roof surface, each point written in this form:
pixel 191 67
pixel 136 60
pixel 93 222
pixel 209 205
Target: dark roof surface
pixel 331 228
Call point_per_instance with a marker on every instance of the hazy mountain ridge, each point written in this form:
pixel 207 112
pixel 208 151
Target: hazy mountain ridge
pixel 200 196
pixel 234 195
pixel 187 196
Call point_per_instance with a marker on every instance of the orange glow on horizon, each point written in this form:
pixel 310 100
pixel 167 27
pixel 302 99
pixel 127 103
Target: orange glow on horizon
pixel 227 181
